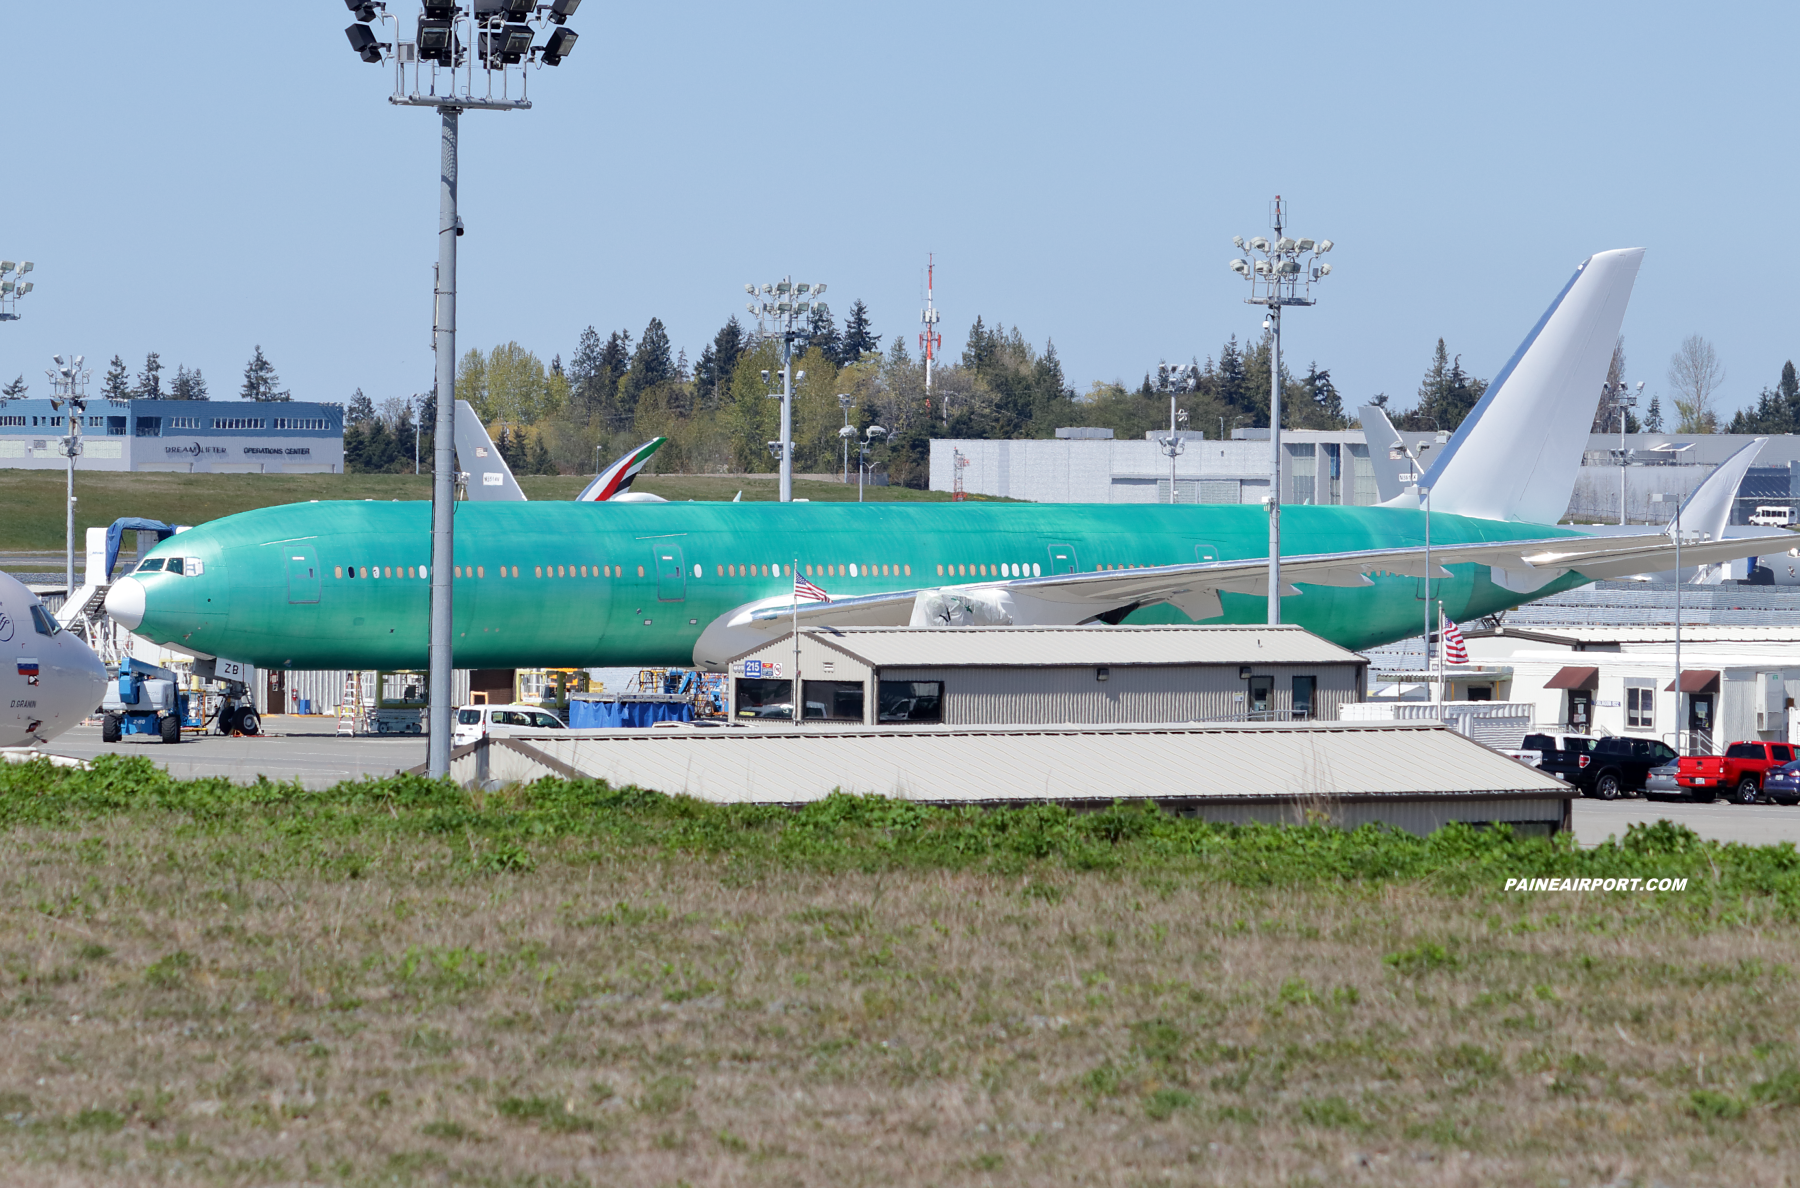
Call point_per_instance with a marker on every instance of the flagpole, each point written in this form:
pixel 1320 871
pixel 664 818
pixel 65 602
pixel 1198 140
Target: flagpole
pixel 799 693
pixel 1440 652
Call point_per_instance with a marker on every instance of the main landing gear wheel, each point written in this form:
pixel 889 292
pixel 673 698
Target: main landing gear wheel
pixel 249 723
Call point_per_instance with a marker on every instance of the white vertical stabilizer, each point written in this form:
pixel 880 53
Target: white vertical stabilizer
pixel 490 478
pixel 1516 455
pixel 1387 454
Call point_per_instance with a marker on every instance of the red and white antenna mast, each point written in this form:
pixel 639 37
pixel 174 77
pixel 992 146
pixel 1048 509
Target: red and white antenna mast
pixel 930 341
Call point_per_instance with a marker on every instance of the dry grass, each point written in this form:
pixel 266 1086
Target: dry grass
pixel 184 1006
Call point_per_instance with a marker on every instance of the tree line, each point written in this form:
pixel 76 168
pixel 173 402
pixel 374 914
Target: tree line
pixel 260 382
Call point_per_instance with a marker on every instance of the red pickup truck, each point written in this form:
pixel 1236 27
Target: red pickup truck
pixel 1738 772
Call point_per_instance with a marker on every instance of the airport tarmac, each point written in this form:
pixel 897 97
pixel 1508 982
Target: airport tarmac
pixel 307 749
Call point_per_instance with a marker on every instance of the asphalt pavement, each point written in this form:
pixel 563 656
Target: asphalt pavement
pixel 306 749
pixel 1751 824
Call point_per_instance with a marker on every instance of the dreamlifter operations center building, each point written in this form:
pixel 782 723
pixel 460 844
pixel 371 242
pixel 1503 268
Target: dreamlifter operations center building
pixel 180 436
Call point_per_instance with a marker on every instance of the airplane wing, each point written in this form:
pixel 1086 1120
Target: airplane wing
pixel 490 478
pixel 615 480
pixel 1108 596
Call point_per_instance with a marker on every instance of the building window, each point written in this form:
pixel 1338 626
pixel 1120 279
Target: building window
pixel 237 423
pixel 1304 688
pixel 15 422
pixel 314 424
pixel 911 701
pixel 149 426
pixel 834 701
pixel 765 699
pixel 1640 709
pixel 179 422
pixel 1305 470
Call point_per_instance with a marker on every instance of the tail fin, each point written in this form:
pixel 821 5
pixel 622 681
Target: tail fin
pixel 489 475
pixel 1387 457
pixel 1515 457
pixel 615 480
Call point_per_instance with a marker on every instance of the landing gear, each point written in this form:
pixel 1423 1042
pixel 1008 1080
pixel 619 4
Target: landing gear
pixel 248 722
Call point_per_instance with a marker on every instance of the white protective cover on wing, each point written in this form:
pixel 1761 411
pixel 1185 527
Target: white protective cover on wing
pixel 1708 510
pixel 1516 455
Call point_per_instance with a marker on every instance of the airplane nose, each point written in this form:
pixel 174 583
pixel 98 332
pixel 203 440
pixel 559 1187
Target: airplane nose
pixel 125 603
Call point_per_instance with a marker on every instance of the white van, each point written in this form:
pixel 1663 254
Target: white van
pixel 1774 517
pixel 474 721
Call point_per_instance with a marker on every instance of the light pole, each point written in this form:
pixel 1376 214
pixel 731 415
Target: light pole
pixel 1278 277
pixel 1183 377
pixel 465 56
pixel 13 286
pixel 1676 498
pixel 787 303
pixel 846 433
pixel 417 428
pixel 1625 399
pixel 68 384
pixel 862 458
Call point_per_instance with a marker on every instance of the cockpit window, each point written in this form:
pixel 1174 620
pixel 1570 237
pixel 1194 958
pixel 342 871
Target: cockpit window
pixel 40 619
pixel 151 565
pixel 174 565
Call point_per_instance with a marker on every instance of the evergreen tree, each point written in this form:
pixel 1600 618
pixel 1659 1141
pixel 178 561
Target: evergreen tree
pixel 1233 382
pixel 149 385
pixel 587 376
pixel 538 460
pixel 14 390
pixel 615 361
pixel 859 338
pixel 718 361
pixel 188 385
pixel 361 409
pixel 117 384
pixel 822 334
pixel 260 380
pixel 651 364
pixel 1447 394
pixel 979 351
pixel 1653 420
pixel 1326 401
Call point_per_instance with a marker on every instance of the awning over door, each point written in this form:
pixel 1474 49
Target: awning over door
pixel 1573 677
pixel 1697 680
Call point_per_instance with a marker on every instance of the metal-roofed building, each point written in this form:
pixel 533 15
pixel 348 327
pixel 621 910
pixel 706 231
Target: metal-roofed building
pixel 965 676
pixel 1415 777
pixel 182 436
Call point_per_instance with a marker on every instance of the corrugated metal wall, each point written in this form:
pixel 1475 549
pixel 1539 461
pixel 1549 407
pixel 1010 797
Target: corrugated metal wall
pixel 324 689
pixel 1138 693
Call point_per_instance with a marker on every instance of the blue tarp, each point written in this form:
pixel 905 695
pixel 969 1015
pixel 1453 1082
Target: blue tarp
pixel 115 536
pixel 586 714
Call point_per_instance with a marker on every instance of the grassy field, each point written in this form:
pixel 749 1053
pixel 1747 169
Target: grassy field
pixel 33 499
pixel 398 982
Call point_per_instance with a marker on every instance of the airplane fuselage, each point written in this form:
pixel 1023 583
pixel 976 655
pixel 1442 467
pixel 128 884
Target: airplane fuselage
pixel 346 585
pixel 49 680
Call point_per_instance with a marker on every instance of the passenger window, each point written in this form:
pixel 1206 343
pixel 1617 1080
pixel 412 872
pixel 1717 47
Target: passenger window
pixel 546 721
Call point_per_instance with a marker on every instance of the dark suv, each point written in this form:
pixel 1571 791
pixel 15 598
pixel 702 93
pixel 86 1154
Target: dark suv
pixel 1605 768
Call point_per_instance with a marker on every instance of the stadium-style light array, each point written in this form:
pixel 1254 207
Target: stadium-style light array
pixel 1281 272
pixel 13 286
pixel 788 305
pixel 474 55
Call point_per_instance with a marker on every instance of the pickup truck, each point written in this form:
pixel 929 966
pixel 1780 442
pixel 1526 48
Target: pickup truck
pixel 1738 772
pixel 1605 768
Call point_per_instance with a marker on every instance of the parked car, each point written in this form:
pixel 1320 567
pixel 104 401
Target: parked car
pixel 1738 773
pixel 1782 785
pixel 1664 781
pixel 1606 768
pixel 474 721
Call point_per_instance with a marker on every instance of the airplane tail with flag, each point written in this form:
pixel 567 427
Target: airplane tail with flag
pixel 614 483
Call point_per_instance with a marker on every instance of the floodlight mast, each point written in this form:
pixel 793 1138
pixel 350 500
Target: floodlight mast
pixel 782 302
pixel 451 41
pixel 13 286
pixel 1278 278
pixel 68 386
pixel 930 341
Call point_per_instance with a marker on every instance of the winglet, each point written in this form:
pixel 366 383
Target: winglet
pixel 489 475
pixel 1708 509
pixel 615 480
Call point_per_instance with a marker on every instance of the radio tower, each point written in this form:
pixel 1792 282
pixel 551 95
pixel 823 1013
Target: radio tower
pixel 930 341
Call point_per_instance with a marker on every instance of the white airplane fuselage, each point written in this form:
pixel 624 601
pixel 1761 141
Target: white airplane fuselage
pixel 49 679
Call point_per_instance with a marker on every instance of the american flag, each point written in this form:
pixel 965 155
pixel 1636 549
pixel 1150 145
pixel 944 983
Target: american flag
pixel 805 589
pixel 1455 650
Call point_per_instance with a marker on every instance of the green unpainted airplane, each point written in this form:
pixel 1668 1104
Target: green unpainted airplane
pixel 346 584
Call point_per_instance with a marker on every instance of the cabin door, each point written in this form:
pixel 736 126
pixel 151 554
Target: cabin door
pixel 671 572
pixel 1063 559
pixel 302 572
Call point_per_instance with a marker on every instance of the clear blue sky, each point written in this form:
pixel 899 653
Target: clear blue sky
pixel 196 185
